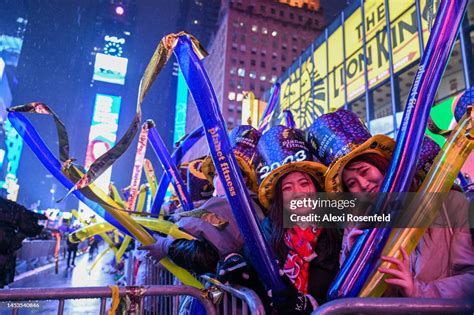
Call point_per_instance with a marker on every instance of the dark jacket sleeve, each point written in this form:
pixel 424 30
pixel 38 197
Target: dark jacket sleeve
pixel 197 256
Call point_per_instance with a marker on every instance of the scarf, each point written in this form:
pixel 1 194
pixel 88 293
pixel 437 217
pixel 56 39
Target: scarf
pixel 301 244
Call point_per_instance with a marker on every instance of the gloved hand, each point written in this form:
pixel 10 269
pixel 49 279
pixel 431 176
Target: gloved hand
pixel 233 269
pixel 290 301
pixel 159 250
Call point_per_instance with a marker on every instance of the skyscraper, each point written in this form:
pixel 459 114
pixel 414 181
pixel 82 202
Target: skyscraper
pixel 253 46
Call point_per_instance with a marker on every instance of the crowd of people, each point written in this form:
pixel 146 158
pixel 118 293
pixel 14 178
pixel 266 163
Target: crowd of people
pixel 336 154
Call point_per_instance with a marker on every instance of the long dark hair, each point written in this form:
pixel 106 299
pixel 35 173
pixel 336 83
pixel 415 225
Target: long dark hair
pixel 276 217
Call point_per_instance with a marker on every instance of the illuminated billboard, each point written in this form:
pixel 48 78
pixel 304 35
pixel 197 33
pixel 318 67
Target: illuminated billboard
pixel 315 83
pixel 10 49
pixel 111 69
pixel 103 132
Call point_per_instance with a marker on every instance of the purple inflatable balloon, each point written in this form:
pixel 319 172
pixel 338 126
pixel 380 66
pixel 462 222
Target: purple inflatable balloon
pixel 362 258
pixel 226 164
pixel 170 169
pixel 176 158
pixel 52 164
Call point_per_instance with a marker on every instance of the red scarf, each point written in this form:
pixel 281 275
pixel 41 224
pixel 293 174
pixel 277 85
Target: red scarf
pixel 301 244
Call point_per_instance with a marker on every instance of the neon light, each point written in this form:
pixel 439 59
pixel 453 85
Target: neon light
pixel 181 108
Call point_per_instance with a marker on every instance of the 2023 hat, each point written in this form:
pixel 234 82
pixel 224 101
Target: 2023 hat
pixel 336 138
pixel 283 150
pixel 197 183
pixel 244 140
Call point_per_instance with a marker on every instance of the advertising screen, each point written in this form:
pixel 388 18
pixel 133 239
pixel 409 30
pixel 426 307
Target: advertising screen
pixel 111 69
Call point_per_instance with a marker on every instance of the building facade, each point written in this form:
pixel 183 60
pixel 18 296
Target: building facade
pixel 349 66
pixel 254 44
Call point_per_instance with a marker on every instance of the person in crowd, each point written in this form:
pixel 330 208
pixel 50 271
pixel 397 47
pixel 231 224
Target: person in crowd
pixel 16 224
pixel 71 250
pixel 442 265
pixel 308 255
pixel 218 240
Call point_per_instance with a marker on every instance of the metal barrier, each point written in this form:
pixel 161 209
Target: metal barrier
pixel 62 294
pixel 235 300
pixel 241 299
pixel 396 306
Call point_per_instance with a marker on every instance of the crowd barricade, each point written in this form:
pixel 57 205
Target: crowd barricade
pixel 233 300
pixel 396 306
pixel 16 299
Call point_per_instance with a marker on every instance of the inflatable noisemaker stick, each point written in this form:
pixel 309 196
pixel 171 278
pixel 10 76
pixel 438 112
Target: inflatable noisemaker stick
pixel 98 259
pixel 46 157
pixel 115 195
pixel 185 145
pixel 138 165
pixel 224 159
pixel 141 198
pixel 104 235
pixel 365 252
pixel 270 109
pixel 119 219
pixel 170 169
pixel 289 120
pixel 150 177
pixel 161 226
pixel 422 212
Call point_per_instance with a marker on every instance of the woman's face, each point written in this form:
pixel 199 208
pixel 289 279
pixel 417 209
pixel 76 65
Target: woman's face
pixel 295 185
pixel 362 177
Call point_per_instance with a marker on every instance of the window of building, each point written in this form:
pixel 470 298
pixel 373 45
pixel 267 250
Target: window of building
pixel 275 44
pixel 294 49
pixel 252 62
pixel 282 14
pixel 239 110
pixel 241 72
pixel 283 69
pixel 254 51
pixel 283 57
pixel 273 11
pixel 252 75
pixel 274 78
pixel 232 84
pixel 252 86
pixel 274 68
pixel 239 97
pixel 316 22
pixel 234 47
pixel 235 24
pixel 274 33
pixel 294 38
pixel 254 28
pixel 241 24
pixel 262 64
pixel 233 61
pixel 242 62
pixel 300 18
pixel 264 30
pixel 231 96
pixel 232 70
pixel 283 46
pixel 274 55
pixel 263 77
pixel 242 48
pixel 292 16
pixel 242 38
pixel 262 89
pixel 262 8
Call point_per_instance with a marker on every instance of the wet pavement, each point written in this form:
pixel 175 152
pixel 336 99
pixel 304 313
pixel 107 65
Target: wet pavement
pixel 78 276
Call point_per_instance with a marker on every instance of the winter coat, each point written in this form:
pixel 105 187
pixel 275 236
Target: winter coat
pixel 324 268
pixel 217 235
pixel 442 264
